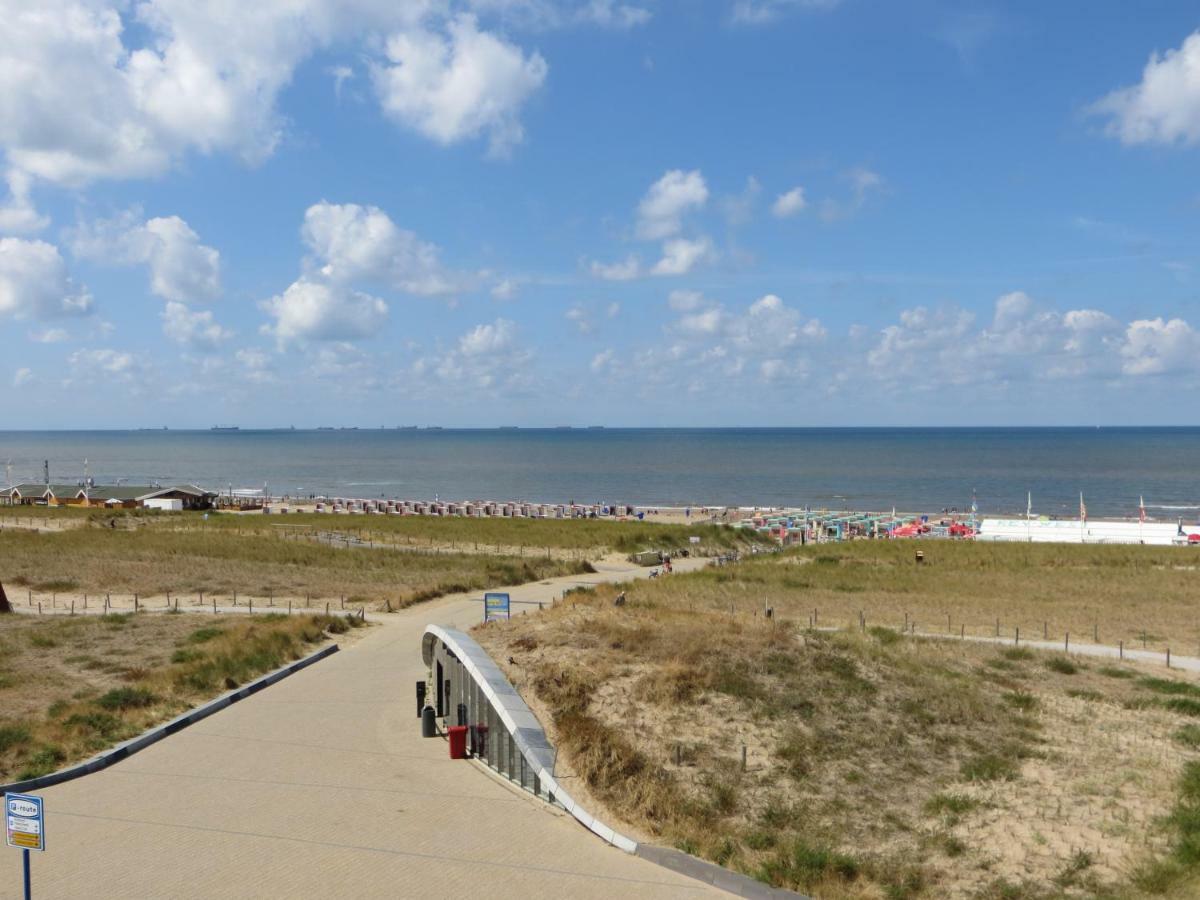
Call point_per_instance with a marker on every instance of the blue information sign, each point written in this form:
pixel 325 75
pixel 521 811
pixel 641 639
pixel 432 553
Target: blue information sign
pixel 24 824
pixel 495 606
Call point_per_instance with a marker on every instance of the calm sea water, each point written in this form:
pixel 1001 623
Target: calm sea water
pixel 913 469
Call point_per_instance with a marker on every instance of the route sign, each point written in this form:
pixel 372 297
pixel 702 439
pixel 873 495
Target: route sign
pixel 24 822
pixel 496 606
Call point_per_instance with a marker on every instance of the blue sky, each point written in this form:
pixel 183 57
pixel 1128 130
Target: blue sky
pixel 487 212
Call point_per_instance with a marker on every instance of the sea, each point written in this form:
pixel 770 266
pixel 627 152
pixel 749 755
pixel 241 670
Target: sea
pixel 910 469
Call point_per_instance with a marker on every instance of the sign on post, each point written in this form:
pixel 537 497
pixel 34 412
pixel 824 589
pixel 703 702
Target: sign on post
pixel 495 606
pixel 24 823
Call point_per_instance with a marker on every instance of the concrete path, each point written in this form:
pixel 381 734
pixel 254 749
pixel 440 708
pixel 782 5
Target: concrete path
pixel 321 786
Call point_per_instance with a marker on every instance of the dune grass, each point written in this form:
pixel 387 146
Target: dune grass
pixel 218 562
pixel 532 536
pixel 71 687
pixel 1107 593
pixel 877 765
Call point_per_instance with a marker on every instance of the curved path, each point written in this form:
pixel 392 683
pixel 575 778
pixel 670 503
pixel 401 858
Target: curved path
pixel 321 786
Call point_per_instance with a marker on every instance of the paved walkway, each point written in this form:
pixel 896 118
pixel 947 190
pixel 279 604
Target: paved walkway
pixel 321 786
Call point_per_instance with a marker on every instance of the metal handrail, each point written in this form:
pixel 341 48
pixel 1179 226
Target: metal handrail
pixel 525 753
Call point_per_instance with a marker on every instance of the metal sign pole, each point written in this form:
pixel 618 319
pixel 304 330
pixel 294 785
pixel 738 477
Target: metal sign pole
pixel 25 829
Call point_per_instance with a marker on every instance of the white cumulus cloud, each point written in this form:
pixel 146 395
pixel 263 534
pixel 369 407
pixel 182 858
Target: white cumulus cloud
pixel 661 211
pixel 81 103
pixel 1025 341
pixel 623 270
pixel 182 270
pixel 487 338
pixel 316 311
pixel 196 329
pixel 49 336
pixel 506 289
pixel 579 317
pixel 1156 347
pixel 34 283
pixel 789 203
pixel 22 377
pixel 116 365
pixel 1164 107
pixel 602 360
pixel 459 85
pixel 18 215
pixel 99 89
pixel 760 12
pixel 681 255
pixel 352 243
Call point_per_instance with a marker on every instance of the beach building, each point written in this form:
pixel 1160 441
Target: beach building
pixel 1088 531
pixel 173 498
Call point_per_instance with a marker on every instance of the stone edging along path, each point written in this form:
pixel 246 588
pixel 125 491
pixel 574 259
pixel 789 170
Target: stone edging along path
pixel 128 748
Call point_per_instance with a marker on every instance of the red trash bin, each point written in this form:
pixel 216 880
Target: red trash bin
pixel 458 741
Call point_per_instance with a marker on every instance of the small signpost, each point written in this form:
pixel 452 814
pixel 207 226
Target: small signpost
pixel 24 827
pixel 496 606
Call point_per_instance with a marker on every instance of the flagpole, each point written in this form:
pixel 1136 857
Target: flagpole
pixel 1029 516
pixel 1082 520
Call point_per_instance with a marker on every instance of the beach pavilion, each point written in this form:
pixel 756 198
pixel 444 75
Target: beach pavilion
pixel 185 496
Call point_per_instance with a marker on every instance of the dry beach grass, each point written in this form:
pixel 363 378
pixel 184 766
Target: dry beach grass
pixel 1106 593
pixel 154 561
pixel 876 765
pixel 403 560
pixel 72 686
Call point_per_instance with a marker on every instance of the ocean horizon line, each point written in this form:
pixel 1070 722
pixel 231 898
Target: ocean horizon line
pixel 327 429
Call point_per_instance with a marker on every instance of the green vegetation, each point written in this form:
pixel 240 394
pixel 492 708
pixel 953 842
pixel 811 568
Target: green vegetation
pixel 1038 588
pixel 1186 706
pixel 1022 700
pixel 12 736
pixel 137 671
pixel 534 535
pixel 1180 870
pixel 126 698
pixel 219 562
pixel 804 866
pixel 497 535
pixel 878 765
pixel 991 767
pixel 1167 686
pixel 950 804
pixel 1189 736
pixel 1018 654
pixel 833 698
pixel 1062 665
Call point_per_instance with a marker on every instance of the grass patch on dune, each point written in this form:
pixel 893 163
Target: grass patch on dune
pixel 218 562
pixel 1062 665
pixel 593 535
pixel 830 700
pixel 1042 589
pixel 76 705
pixel 876 761
pixel 1181 869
